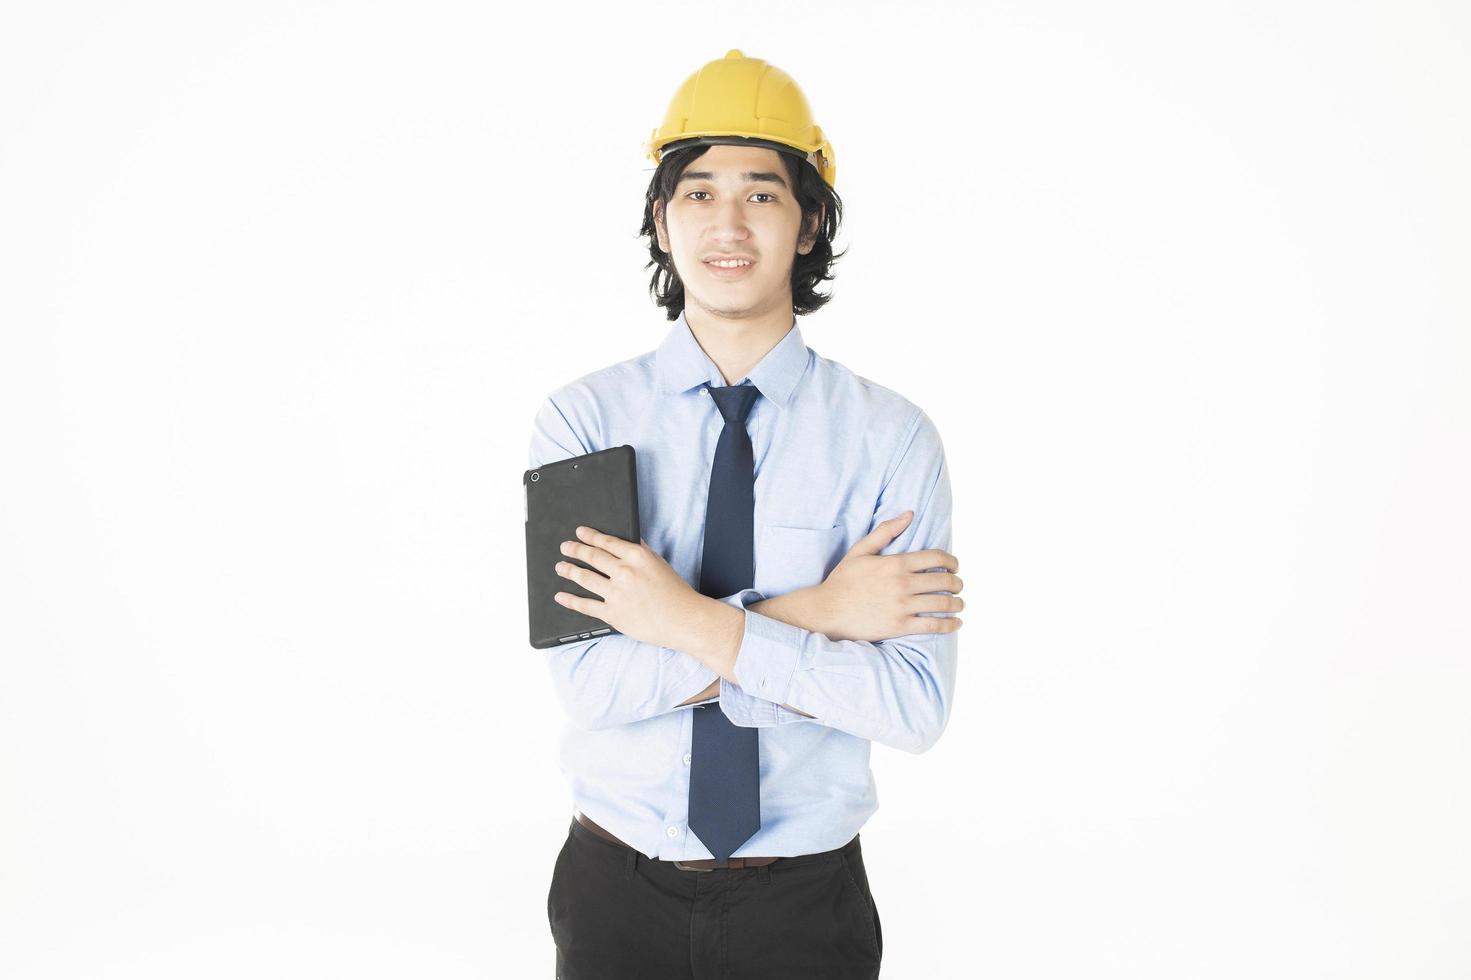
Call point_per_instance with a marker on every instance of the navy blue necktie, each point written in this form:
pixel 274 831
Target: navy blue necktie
pixel 725 774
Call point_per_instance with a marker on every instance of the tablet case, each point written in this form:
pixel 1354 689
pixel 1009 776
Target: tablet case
pixel 598 490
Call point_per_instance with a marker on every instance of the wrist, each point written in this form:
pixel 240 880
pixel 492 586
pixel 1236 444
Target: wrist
pixel 809 608
pixel 711 631
pixel 817 606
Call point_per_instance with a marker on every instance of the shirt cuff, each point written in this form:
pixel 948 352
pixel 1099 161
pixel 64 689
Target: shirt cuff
pixel 765 668
pixel 738 600
pixel 748 711
pixel 743 598
pixel 738 705
pixel 767 661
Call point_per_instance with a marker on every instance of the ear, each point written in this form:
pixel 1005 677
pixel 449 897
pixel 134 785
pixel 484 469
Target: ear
pixel 808 240
pixel 661 232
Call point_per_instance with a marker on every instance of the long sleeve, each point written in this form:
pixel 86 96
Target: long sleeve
pixel 613 679
pixel 899 691
pixel 745 709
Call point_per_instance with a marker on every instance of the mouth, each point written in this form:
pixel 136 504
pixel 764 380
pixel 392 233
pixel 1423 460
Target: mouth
pixel 729 268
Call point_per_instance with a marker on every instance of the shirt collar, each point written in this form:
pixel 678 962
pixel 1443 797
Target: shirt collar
pixel 682 364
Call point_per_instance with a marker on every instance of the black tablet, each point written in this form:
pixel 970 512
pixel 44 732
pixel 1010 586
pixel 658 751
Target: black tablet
pixel 599 490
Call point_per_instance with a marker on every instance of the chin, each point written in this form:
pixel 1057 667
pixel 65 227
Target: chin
pixel 724 310
pixel 736 298
pixel 722 305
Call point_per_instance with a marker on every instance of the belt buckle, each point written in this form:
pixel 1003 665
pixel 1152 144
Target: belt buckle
pixel 684 867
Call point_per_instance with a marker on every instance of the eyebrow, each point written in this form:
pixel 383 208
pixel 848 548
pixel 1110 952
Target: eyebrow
pixel 750 176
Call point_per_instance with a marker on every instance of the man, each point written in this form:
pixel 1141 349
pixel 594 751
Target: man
pixel 718 750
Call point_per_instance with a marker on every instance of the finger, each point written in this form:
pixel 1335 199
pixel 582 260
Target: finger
pixel 587 554
pixel 588 580
pixel 588 607
pixel 934 624
pixel 899 522
pixel 922 582
pixel 893 524
pixel 938 602
pixel 915 561
pixel 885 531
pixel 615 546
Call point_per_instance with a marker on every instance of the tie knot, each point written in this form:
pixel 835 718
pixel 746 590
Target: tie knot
pixel 735 402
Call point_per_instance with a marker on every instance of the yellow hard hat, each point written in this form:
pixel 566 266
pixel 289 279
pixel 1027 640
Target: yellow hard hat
pixel 746 102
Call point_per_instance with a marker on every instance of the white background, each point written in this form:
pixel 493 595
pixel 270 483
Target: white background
pixel 1183 286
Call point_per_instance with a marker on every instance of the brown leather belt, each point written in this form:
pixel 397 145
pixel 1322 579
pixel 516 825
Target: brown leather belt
pixel 703 864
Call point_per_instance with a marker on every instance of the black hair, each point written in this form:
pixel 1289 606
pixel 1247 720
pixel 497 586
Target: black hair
pixel 813 194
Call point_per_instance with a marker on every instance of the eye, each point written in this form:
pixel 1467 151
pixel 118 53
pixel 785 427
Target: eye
pixel 693 193
pixel 764 194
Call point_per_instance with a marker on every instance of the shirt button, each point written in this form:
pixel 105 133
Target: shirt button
pixel 672 831
pixel 763 682
pixel 686 758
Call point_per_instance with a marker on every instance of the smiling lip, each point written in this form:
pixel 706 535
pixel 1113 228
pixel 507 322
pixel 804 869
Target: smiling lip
pixel 734 272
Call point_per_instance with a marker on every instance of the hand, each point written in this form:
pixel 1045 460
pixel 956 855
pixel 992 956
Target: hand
pixel 875 597
pixel 640 592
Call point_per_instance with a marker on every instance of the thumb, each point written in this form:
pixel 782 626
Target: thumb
pixel 876 540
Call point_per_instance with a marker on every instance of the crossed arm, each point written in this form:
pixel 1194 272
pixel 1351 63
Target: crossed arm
pixel 801 608
pixel 771 662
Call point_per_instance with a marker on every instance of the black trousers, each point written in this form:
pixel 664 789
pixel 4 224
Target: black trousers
pixel 615 914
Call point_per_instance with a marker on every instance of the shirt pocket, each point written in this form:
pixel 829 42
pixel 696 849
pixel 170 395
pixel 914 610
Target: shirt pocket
pixel 790 558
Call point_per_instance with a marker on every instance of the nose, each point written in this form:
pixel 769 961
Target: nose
pixel 729 222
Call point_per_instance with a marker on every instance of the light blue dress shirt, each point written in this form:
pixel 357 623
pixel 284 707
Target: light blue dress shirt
pixel 835 454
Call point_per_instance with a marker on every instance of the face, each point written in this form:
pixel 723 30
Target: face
pixel 735 204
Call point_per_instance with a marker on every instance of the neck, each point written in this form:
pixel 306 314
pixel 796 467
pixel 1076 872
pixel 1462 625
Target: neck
pixel 737 344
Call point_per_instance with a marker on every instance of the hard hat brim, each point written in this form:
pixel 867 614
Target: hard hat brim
pixel 810 156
